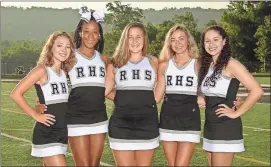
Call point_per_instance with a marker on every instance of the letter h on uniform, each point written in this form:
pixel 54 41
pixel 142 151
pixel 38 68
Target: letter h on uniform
pixel 55 88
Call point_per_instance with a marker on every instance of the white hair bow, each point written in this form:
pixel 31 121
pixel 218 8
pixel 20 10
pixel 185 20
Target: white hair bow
pixel 86 14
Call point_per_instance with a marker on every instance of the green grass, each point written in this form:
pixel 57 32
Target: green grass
pixel 15 152
pixel 261 73
pixel 263 80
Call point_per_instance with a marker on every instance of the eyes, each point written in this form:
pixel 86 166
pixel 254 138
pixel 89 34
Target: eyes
pixel 173 40
pixel 208 41
pixel 61 46
pixel 137 38
pixel 93 32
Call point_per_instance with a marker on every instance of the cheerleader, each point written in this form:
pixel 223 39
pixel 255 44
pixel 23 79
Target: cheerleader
pixel 180 122
pixel 50 134
pixel 133 126
pixel 219 79
pixel 87 118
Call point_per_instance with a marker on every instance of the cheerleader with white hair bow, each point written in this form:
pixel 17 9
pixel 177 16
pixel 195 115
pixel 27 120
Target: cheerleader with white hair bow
pixel 87 118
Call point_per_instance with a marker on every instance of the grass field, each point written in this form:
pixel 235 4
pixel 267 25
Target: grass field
pixel 263 80
pixel 16 133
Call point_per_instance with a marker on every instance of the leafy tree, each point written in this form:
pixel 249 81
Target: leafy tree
pixel 241 21
pixel 188 20
pixel 152 31
pixel 211 23
pixel 263 49
pixel 157 44
pixel 120 15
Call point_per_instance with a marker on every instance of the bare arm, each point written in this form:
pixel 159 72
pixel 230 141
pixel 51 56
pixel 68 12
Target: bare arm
pixel 111 95
pixel 201 101
pixel 106 60
pixel 161 85
pixel 254 88
pixel 201 98
pixel 37 75
pixel 110 79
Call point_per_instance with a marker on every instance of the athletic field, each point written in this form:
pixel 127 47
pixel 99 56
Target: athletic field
pixel 16 133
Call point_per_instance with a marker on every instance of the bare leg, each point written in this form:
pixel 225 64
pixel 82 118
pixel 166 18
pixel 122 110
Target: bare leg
pixel 170 151
pixel 144 157
pixel 184 153
pixel 56 160
pixel 124 157
pixel 222 158
pixel 80 149
pixel 209 157
pixel 96 148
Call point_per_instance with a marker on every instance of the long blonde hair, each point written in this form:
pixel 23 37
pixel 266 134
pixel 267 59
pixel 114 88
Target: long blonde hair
pixel 46 56
pixel 122 54
pixel 167 52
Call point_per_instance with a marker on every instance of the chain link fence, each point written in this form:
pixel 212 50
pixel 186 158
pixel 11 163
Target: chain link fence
pixel 16 68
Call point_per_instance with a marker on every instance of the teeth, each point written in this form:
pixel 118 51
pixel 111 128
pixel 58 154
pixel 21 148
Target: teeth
pixel 89 42
pixel 212 49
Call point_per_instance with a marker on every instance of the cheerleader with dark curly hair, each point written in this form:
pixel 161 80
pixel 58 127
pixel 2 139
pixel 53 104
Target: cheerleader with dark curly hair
pixel 218 80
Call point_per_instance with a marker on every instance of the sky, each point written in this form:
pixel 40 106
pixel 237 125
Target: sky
pixel 101 5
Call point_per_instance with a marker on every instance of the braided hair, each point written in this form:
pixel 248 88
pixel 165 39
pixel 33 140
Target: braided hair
pixel 78 40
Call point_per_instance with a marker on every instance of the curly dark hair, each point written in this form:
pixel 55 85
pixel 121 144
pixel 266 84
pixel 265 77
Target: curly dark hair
pixel 78 40
pixel 206 59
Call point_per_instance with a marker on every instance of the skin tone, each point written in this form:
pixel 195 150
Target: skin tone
pixel 61 50
pixel 176 153
pixel 87 150
pixel 127 157
pixel 214 44
pixel 90 37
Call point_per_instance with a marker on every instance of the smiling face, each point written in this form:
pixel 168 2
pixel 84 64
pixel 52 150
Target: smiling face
pixel 90 34
pixel 179 41
pixel 213 42
pixel 61 49
pixel 135 39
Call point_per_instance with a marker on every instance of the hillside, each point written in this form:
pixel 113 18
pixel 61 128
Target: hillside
pixel 37 23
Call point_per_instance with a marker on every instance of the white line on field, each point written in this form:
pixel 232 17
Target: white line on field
pixel 16 138
pixel 257 129
pixel 28 141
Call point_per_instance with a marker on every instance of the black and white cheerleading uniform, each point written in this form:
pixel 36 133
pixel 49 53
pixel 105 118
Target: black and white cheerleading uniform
pixel 221 134
pixel 50 141
pixel 87 110
pixel 134 122
pixel 180 114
